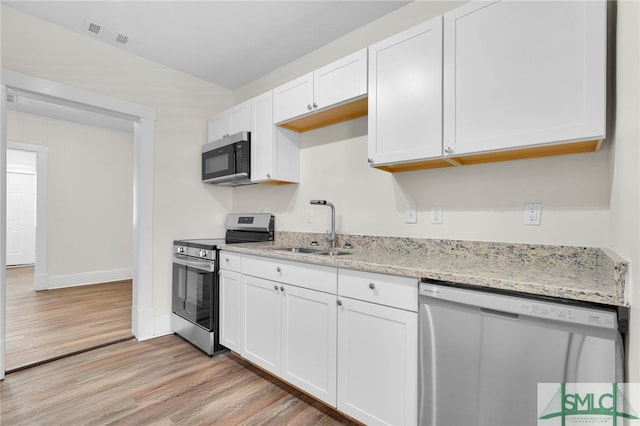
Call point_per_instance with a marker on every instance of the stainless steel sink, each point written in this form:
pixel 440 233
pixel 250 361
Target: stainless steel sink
pixel 333 253
pixel 300 249
pixel 308 250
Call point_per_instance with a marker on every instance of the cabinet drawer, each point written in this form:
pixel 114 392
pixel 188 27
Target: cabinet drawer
pixel 231 261
pixel 307 275
pixel 389 290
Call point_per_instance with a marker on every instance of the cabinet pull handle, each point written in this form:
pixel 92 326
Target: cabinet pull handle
pixel 372 286
pixel 278 269
pixel 339 302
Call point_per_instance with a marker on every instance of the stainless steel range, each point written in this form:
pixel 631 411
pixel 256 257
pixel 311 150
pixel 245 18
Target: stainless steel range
pixel 196 289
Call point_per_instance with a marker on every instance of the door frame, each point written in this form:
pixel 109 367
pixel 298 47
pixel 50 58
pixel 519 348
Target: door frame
pixel 143 119
pixel 42 157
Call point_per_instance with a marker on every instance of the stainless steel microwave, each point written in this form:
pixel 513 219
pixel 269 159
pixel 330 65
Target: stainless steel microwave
pixel 228 161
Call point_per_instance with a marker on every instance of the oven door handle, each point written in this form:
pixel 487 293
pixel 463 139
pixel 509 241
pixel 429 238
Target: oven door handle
pixel 207 266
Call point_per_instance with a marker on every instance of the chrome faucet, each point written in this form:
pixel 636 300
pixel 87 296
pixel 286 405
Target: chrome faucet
pixel 332 236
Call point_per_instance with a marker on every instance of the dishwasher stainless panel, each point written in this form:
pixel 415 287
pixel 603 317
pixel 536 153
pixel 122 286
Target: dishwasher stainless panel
pixel 483 354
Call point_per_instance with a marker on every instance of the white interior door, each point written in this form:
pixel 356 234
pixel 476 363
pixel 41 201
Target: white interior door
pixel 21 218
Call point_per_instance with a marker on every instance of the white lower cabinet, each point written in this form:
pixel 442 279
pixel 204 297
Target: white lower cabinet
pixel 309 341
pixel 377 363
pixel 291 332
pixel 230 308
pixel 348 338
pixel 262 322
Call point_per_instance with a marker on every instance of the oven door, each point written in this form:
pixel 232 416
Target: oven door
pixel 219 164
pixel 194 286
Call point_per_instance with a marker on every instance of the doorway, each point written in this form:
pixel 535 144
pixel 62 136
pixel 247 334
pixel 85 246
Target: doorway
pixel 45 325
pixel 143 118
pixel 21 208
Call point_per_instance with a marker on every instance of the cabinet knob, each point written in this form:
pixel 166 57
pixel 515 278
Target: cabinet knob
pixel 281 288
pixel 279 269
pixel 226 260
pixel 339 302
pixel 315 105
pixel 269 175
pixel 275 287
pixel 372 286
pixel 370 160
pixel 309 107
pixel 448 150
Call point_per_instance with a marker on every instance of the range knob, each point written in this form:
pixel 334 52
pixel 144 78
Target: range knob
pixel 180 250
pixel 202 253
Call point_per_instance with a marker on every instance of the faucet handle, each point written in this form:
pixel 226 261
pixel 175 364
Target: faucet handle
pixel 348 245
pixel 313 243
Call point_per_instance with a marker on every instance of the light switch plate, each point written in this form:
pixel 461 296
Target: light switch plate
pixel 411 214
pixel 436 216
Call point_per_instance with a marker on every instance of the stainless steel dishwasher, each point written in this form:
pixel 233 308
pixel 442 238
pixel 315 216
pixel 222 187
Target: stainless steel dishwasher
pixel 482 353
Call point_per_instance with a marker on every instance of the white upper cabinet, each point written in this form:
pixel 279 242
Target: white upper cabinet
pixel 293 98
pixel 275 152
pixel 405 95
pixel 234 120
pixel 330 85
pixel 341 80
pixel 523 73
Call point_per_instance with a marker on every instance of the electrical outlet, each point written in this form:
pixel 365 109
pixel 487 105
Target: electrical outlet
pixel 411 214
pixel 436 216
pixel 532 213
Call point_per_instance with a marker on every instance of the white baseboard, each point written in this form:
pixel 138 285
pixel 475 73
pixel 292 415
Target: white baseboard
pixel 86 278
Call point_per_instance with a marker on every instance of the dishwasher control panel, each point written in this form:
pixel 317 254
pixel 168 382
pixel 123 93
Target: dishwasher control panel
pixel 496 303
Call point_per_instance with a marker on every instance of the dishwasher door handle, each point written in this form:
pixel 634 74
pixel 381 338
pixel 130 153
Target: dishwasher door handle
pixel 500 313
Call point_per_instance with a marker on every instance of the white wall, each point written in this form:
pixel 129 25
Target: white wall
pixel 183 206
pixel 625 189
pixel 90 190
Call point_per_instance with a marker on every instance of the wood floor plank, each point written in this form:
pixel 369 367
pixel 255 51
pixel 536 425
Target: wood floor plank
pixel 162 381
pixel 47 324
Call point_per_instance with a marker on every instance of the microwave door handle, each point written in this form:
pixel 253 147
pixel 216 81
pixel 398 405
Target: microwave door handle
pixel 228 178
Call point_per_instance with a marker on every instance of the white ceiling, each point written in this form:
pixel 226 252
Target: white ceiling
pixel 229 43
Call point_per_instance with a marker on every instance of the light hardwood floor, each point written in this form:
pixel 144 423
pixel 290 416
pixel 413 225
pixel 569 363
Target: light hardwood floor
pixel 161 381
pixel 48 324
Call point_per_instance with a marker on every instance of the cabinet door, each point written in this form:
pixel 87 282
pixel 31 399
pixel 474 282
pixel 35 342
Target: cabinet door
pixel 293 98
pixel 240 118
pixel 218 126
pixel 405 95
pixel 262 138
pixel 341 80
pixel 309 341
pixel 262 322
pixel 520 73
pixel 230 309
pixel 377 363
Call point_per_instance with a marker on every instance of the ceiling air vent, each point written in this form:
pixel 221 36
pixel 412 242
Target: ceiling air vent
pixel 94 28
pixel 105 33
pixel 122 39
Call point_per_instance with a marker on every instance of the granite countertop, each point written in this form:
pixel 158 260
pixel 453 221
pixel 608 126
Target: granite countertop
pixel 578 273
